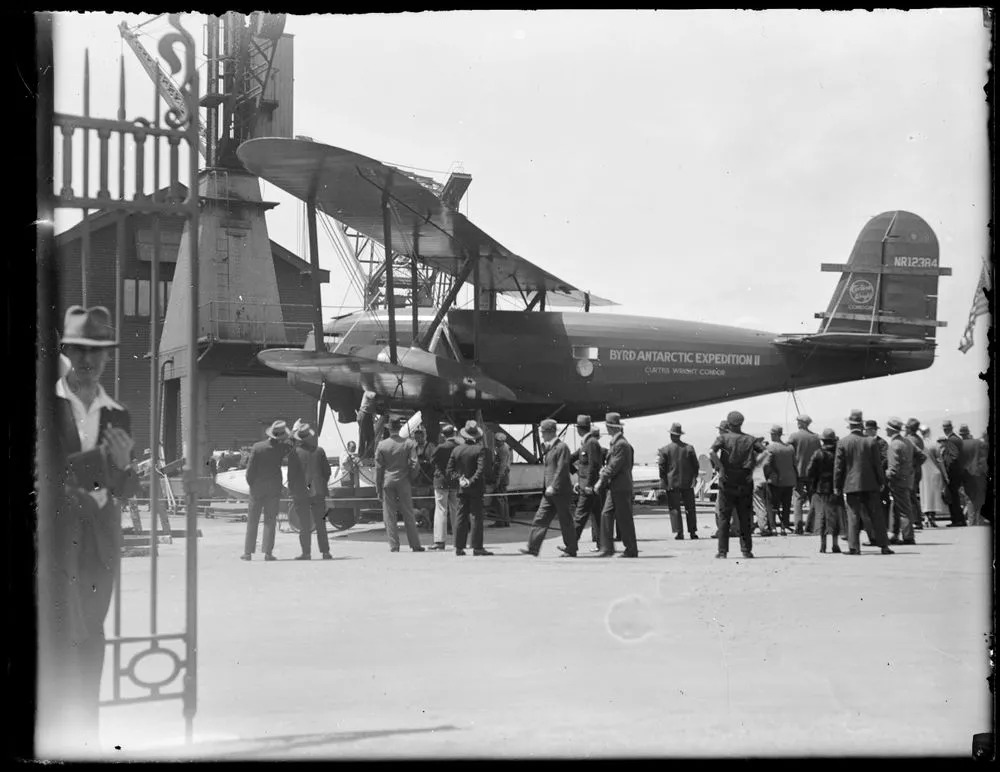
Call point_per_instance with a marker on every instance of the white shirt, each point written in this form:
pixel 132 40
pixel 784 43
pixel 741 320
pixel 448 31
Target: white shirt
pixel 88 422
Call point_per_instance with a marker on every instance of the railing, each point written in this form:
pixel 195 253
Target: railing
pixel 262 323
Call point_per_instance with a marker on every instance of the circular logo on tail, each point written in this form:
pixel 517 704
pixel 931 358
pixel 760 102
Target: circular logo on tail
pixel 861 291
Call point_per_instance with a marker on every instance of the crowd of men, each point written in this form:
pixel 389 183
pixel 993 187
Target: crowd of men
pixel 860 480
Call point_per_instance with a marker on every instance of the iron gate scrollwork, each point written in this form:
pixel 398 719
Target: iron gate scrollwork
pixel 168 133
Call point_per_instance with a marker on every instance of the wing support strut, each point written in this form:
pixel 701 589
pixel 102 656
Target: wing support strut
pixel 447 302
pixel 318 340
pixel 389 288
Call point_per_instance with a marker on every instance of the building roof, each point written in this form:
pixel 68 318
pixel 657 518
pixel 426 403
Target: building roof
pixel 106 217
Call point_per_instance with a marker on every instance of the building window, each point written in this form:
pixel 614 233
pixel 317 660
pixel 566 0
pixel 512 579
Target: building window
pixel 143 297
pixel 128 297
pixel 136 299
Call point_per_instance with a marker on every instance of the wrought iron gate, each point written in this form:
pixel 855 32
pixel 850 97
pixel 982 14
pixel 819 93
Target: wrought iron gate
pixel 137 143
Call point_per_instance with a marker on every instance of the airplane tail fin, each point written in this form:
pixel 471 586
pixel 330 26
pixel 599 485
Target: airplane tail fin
pixel 888 289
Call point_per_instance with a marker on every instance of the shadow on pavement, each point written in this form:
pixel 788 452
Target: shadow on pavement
pixel 282 744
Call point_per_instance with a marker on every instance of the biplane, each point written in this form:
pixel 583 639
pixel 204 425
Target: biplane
pixel 522 366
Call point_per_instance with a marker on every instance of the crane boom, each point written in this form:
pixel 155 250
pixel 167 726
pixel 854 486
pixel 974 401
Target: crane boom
pixel 164 83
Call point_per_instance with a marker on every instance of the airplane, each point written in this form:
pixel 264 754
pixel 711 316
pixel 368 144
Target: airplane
pixel 523 366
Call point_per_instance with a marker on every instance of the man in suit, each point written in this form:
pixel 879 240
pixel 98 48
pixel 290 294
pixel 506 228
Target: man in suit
pixel 953 462
pixel 308 476
pixel 395 466
pixel 805 443
pixel 678 470
pixel 445 488
pixel 736 454
pixel 858 475
pixel 616 477
pixel 780 471
pixel 557 494
pixel 971 464
pixel 913 436
pixel 900 475
pixel 467 464
pixel 501 477
pixel 93 437
pixel 264 478
pixel 588 459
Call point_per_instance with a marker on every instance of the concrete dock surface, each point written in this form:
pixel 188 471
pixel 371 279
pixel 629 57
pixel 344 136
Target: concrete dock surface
pixel 674 654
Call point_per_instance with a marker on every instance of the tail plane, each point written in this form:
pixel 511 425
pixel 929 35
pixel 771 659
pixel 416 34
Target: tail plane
pixel 888 290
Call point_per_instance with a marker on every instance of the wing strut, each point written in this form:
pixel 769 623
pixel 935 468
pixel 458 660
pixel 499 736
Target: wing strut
pixel 448 300
pixel 389 289
pixel 318 340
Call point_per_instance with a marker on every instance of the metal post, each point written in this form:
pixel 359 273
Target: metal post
pixel 120 232
pixel 211 114
pixel 85 243
pixel 413 298
pixel 316 289
pixel 389 289
pixel 475 312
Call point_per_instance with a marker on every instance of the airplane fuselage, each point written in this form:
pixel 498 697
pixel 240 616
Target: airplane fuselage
pixel 565 364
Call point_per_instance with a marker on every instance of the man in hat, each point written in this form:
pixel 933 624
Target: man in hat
pixel 819 481
pixel 588 459
pixel 616 476
pixel 678 470
pixel 973 473
pixel 953 461
pixel 501 476
pixel 899 476
pixel 467 465
pixel 556 496
pixel 424 451
pixel 350 467
pixel 858 475
pixel 93 439
pixel 445 488
pixel 734 525
pixel 805 443
pixel 885 497
pixel 395 465
pixel 308 476
pixel 736 454
pixel 780 471
pixel 264 478
pixel 919 457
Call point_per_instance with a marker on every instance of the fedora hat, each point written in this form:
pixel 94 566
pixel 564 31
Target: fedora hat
pixel 871 423
pixel 724 426
pixel 675 428
pixel 301 430
pixel 583 421
pixel 912 424
pixel 89 327
pixel 277 431
pixel 448 430
pixel 829 436
pixel 613 419
pixel 855 418
pixel 471 431
pixel 895 424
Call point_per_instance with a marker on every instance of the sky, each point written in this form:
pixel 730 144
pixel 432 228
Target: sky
pixel 691 165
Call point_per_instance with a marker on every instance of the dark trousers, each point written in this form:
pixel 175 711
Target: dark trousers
pixel 312 512
pixel 556 506
pixel 269 506
pixel 469 505
pixel 955 475
pixel 901 516
pixel 864 508
pixel 734 523
pixel 740 502
pixel 780 497
pixel 675 498
pixel 828 514
pixel 617 511
pixel 588 507
pixel 71 663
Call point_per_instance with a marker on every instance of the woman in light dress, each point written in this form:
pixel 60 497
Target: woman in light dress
pixel 934 479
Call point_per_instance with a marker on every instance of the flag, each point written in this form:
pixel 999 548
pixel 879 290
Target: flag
pixel 980 306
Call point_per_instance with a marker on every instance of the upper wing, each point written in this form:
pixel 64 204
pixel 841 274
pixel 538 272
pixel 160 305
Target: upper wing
pixel 349 187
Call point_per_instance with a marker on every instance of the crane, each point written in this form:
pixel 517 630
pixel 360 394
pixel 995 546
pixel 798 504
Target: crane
pixel 169 90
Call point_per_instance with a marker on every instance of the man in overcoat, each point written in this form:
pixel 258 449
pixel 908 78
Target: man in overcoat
pixel 679 469
pixel 858 475
pixel 616 477
pixel 264 478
